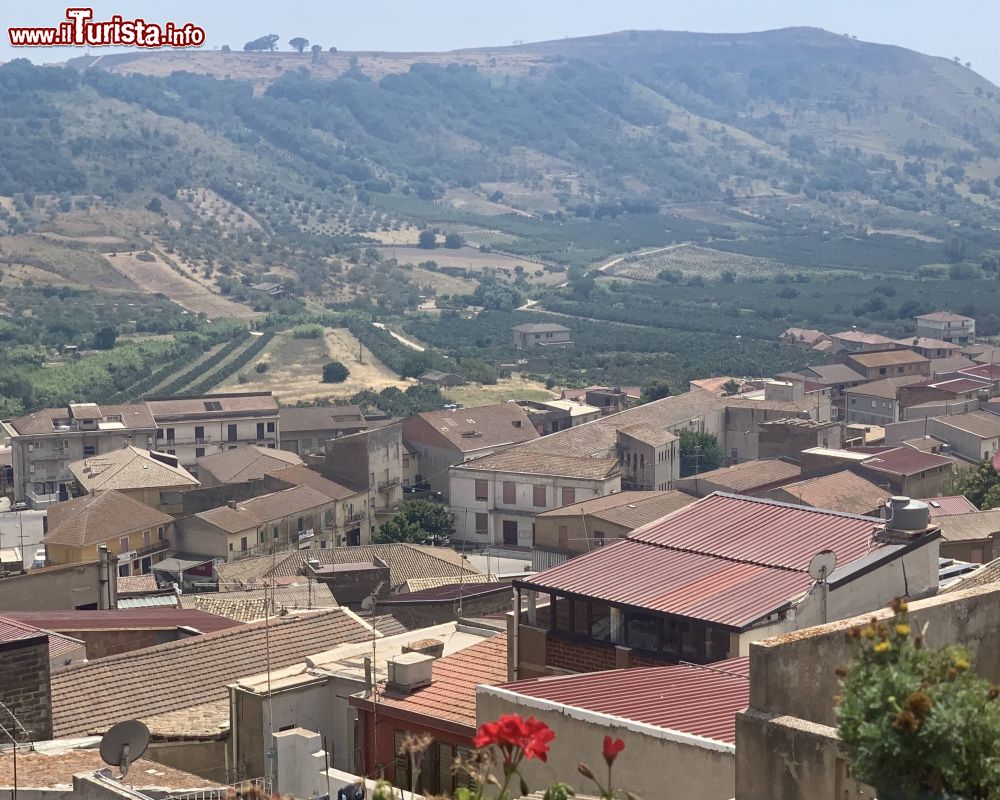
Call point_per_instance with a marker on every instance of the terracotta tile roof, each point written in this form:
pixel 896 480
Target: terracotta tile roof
pixel 749 475
pixel 946 506
pixel 153 619
pixel 861 337
pixel 448 592
pixel 420 584
pixel 726 559
pixel 304 476
pixel 137 584
pixel 841 491
pixel 130 468
pixel 810 336
pixel 87 698
pixel 906 461
pixel 11 630
pixel 248 463
pixel 469 429
pixel 134 416
pixel 885 388
pixel 203 721
pixel 93 519
pixel 241 609
pixel 687 698
pixel 40 769
pixel 590 450
pixel 944 316
pixel 451 696
pixel 969 527
pixel 950 364
pixel 320 418
pixel 833 373
pixel 539 327
pixel 406 561
pixel 649 435
pixel 887 358
pixel 928 343
pixel 260 510
pixel 165 409
pixel 986 574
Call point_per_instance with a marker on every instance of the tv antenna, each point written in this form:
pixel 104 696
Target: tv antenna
pixel 822 564
pixel 124 743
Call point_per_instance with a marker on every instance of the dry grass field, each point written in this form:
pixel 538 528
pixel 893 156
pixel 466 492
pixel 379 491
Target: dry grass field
pixel 515 387
pixel 474 261
pixel 158 276
pixel 691 259
pixel 295 368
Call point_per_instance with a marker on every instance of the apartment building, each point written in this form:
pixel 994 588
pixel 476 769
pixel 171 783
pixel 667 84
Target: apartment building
pixel 44 443
pixel 440 439
pixel 948 327
pixel 889 364
pixel 876 403
pixel 541 334
pixel 192 427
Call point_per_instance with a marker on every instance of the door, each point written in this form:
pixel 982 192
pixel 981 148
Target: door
pixel 231 433
pixel 260 431
pixel 510 532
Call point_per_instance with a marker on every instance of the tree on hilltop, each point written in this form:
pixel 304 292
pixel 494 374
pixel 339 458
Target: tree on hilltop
pixel 299 43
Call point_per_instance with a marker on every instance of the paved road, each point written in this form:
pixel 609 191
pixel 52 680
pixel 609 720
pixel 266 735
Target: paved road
pixel 401 339
pixel 22 529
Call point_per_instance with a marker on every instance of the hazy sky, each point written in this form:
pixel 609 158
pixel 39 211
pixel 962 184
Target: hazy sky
pixel 965 28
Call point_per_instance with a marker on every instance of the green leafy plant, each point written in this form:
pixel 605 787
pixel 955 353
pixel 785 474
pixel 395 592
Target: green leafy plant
pixel 916 723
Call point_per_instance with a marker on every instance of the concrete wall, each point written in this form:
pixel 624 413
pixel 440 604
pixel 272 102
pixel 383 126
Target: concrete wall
pixel 786 746
pixel 24 686
pixel 655 763
pixel 207 758
pixel 580 533
pixel 422 614
pixel 789 440
pixel 58 589
pixel 103 642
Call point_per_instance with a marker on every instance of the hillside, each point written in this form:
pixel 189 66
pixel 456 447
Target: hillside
pixel 691 169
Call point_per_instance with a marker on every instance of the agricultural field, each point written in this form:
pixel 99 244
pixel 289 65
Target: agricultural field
pixel 156 275
pixel 476 236
pixel 471 259
pixel 690 259
pixel 294 368
pixel 516 387
pixel 83 267
pixel 210 206
pixel 476 203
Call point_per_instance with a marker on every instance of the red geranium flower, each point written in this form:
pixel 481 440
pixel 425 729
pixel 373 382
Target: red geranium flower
pixel 612 747
pixel 516 737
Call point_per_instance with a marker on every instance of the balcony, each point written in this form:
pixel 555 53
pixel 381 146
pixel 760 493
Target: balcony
pixel 359 517
pixel 183 440
pixel 151 548
pixel 388 484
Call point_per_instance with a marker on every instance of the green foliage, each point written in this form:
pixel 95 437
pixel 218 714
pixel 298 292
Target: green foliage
pixel 335 372
pixel 105 338
pixel 398 403
pixel 308 331
pixel 454 241
pixel 299 43
pixel 417 521
pixel 427 240
pixel 268 42
pixel 656 390
pixel 699 452
pixel 390 351
pixel 731 387
pixel 478 371
pixel 917 723
pixel 979 484
pixel 494 295
pixel 261 367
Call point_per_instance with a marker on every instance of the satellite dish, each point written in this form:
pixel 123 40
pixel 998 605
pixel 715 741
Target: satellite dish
pixel 367 604
pixel 124 743
pixel 822 564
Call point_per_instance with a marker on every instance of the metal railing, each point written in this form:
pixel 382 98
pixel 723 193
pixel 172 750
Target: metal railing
pixel 218 794
pixel 388 484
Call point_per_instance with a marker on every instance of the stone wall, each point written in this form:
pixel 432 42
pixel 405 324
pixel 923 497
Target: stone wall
pixel 24 685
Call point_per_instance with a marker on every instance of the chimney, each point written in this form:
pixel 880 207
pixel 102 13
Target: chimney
pixel 410 671
pixel 428 647
pixel 232 504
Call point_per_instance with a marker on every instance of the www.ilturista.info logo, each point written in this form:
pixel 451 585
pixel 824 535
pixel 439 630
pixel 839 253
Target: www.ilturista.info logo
pixel 80 31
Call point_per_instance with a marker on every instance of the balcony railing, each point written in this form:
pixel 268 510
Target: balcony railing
pixel 388 484
pixel 152 547
pixel 360 516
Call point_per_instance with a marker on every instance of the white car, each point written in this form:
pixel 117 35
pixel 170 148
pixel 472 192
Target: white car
pixel 39 558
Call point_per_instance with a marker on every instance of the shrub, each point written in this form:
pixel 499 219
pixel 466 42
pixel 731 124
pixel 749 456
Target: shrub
pixel 335 372
pixel 261 367
pixel 308 331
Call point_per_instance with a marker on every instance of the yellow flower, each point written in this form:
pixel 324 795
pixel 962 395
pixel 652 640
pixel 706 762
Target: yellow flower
pixel 881 647
pixel 961 664
pixel 868 632
pixel 902 629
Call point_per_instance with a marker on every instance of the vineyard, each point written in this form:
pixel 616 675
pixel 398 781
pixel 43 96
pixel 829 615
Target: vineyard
pixel 690 259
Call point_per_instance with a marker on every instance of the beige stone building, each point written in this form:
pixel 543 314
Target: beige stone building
pixel 154 479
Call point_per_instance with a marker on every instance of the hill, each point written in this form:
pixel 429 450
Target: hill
pixel 681 168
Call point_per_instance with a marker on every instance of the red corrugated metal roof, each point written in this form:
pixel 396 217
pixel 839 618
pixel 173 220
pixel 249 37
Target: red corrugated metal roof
pixel 130 618
pixel 727 560
pixel 696 700
pixel 12 631
pixel 906 461
pixel 947 506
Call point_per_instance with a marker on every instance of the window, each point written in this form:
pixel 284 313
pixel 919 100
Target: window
pixel 159 433
pixel 568 496
pixel 563 536
pixel 171 451
pixel 123 570
pixel 199 452
pixel 482 490
pixel 260 430
pixel 881 371
pixel 643 632
pixel 89 450
pixel 509 492
pixel 159 533
pixel 243 543
pixel 213 405
pixel 482 524
pixel 598 538
pixel 734 454
pixel 275 531
pixel 538 496
pixel 406 462
pixel 231 433
pixel 147 538
pixel 123 545
pixel 302 524
pixel 270 427
pixel 170 434
pixel 263 536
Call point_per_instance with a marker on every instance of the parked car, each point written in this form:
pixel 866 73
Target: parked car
pixel 39 561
